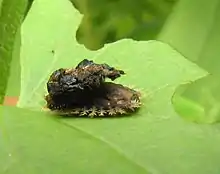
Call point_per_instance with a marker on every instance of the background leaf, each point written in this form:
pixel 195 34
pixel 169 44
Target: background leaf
pixel 12 13
pixel 194 32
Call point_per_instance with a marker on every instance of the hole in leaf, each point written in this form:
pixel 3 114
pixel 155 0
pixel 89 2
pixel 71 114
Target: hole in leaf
pixel 198 101
pixel 100 16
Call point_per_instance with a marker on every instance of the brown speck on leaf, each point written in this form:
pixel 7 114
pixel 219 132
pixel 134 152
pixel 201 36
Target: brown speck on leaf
pixel 10 101
pixel 83 91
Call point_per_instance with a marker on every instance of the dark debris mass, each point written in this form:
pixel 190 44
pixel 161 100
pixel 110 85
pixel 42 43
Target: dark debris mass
pixel 83 91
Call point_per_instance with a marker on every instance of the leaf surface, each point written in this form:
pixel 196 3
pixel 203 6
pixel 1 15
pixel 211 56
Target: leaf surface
pixel 12 13
pixel 51 147
pixel 195 34
pixel 154 140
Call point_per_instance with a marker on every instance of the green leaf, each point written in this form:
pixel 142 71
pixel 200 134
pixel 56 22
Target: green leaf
pixel 12 13
pixel 13 86
pixel 194 32
pixel 154 140
pixel 51 147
